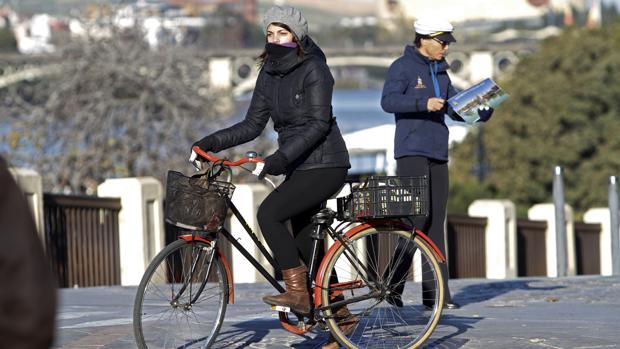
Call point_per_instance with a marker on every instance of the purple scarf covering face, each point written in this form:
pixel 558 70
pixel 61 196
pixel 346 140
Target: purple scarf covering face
pixel 291 44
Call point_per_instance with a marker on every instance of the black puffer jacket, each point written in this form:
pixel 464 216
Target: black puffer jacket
pixel 296 92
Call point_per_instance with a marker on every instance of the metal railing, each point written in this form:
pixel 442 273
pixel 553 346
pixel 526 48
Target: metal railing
pixel 466 246
pixel 588 248
pixel 531 248
pixel 82 239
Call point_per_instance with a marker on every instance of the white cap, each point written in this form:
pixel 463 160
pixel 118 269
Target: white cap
pixel 435 27
pixel 429 25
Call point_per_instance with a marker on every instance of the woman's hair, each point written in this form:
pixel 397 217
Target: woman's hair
pixel 262 59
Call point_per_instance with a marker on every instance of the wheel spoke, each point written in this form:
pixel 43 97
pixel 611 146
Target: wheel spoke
pixel 166 315
pixel 383 324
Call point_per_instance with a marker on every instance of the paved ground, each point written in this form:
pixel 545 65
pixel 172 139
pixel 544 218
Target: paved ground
pixel 574 312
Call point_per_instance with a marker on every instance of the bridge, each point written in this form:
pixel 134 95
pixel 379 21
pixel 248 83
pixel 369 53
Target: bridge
pixel 237 69
pixel 469 63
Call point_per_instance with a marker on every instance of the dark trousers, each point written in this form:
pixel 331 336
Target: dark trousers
pixel 433 225
pixel 298 198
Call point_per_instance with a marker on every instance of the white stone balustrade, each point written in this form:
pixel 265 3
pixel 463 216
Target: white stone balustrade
pixel 601 215
pixel 31 184
pixel 247 198
pixel 546 212
pixel 141 223
pixel 500 236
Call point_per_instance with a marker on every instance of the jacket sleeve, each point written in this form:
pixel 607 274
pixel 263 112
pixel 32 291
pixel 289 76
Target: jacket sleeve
pixel 450 112
pixel 394 99
pixel 251 127
pixel 318 86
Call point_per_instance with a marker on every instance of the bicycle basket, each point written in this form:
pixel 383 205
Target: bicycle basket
pixel 385 197
pixel 196 203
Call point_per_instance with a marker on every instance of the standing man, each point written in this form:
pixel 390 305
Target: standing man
pixel 416 90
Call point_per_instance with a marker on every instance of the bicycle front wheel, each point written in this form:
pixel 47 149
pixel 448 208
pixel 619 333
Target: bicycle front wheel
pixel 182 298
pixel 375 270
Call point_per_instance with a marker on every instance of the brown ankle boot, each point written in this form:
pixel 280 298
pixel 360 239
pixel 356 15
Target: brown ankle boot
pixel 297 296
pixel 346 322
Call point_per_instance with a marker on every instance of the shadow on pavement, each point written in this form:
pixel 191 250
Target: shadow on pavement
pixel 487 290
pixel 257 331
pixel 450 328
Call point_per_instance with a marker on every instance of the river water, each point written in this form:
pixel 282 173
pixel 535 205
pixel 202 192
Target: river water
pixel 354 109
pixel 357 110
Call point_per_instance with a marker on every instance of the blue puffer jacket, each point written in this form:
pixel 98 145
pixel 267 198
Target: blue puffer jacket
pixel 407 88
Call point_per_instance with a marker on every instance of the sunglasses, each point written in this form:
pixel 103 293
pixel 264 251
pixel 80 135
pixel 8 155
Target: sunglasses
pixel 442 43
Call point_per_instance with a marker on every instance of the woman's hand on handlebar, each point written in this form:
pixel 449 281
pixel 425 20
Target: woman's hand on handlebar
pixel 275 165
pixel 250 157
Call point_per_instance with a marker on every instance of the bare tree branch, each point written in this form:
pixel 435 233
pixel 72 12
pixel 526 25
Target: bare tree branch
pixel 119 109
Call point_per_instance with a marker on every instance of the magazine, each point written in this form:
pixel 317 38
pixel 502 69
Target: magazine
pixel 483 94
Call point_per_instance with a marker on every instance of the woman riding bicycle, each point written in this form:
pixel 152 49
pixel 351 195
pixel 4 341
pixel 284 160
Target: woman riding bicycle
pixel 294 89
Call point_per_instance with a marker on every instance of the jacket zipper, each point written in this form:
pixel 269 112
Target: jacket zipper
pixel 277 97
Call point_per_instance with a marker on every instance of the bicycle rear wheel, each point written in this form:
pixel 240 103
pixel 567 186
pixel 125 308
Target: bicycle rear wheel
pixel 179 305
pixel 373 269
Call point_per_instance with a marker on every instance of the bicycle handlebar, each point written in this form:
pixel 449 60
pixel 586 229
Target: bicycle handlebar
pixel 213 158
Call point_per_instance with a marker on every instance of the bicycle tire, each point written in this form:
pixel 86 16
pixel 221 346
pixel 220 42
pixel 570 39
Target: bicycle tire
pixel 159 321
pixel 381 323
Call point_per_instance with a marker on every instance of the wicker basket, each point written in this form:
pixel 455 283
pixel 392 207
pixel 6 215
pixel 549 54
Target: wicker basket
pixel 385 197
pixel 196 203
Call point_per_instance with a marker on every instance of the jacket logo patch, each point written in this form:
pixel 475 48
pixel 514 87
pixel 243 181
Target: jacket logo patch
pixel 420 83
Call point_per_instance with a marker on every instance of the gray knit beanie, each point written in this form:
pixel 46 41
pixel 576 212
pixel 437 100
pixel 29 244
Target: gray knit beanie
pixel 288 15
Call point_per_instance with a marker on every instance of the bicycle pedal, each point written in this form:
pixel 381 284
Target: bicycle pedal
pixel 281 308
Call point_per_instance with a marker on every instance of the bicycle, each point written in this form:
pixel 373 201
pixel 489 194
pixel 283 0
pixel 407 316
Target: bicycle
pixel 182 298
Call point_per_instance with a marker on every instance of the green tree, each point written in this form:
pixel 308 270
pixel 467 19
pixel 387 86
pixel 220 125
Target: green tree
pixel 563 110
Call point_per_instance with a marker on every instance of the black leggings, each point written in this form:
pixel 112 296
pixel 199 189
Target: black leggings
pixel 437 172
pixel 298 198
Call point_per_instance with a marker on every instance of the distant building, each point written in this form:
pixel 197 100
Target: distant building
pixel 391 13
pixel 34 35
pixel 369 158
pixel 8 17
pixel 458 10
pixel 349 8
pixel 246 8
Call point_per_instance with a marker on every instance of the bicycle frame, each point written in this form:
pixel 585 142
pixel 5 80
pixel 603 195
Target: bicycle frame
pixel 225 233
pixel 316 274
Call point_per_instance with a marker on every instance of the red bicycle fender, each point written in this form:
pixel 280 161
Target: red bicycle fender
pixel 229 276
pixel 318 301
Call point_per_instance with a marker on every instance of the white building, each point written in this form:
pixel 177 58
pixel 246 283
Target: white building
pixel 459 11
pixel 378 156
pixel 34 36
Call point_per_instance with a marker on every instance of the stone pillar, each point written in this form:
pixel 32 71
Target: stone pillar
pixel 247 198
pixel 601 215
pixel 220 72
pixel 31 184
pixel 546 212
pixel 480 66
pixel 500 236
pixel 141 223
